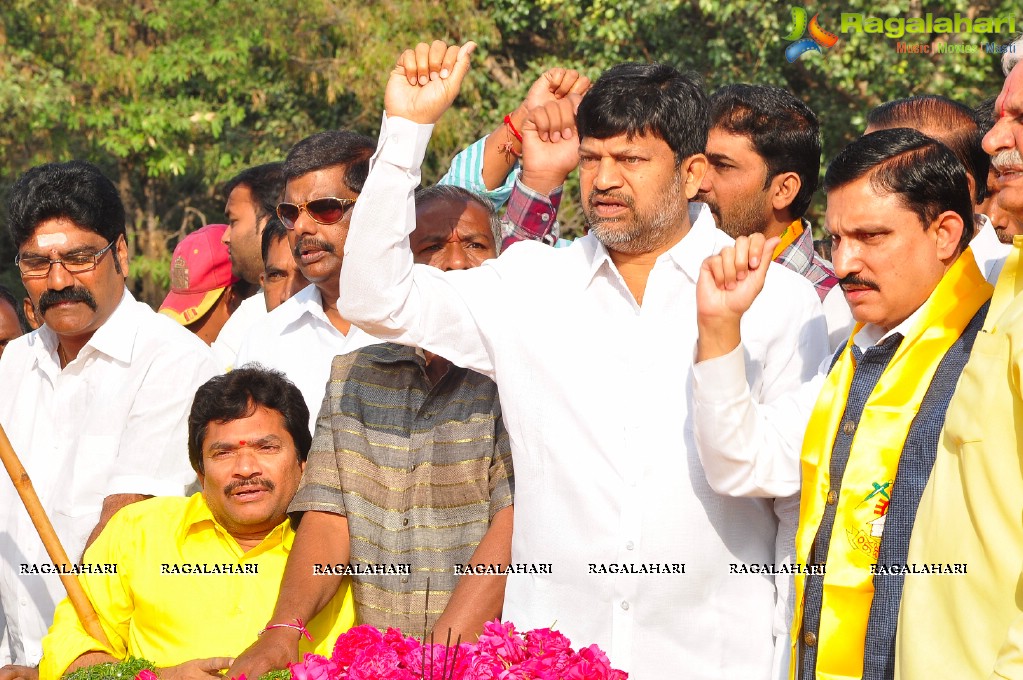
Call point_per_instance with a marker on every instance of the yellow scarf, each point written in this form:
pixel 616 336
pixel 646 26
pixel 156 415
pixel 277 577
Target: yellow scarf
pixel 870 471
pixel 788 237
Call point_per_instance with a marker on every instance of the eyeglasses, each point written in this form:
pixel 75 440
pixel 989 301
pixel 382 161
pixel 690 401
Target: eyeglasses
pixel 327 210
pixel 36 267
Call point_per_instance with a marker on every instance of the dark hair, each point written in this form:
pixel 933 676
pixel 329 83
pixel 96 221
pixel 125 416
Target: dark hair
pixel 266 182
pixel 985 113
pixel 925 174
pixel 273 232
pixel 330 148
pixel 782 129
pixel 75 190
pixel 951 123
pixel 457 194
pixel 8 296
pixel 636 99
pixel 236 395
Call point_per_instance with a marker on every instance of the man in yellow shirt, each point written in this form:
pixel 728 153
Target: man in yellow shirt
pixel 970 625
pixel 187 583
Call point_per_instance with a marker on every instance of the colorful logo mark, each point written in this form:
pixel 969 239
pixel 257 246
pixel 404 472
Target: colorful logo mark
pixel 818 36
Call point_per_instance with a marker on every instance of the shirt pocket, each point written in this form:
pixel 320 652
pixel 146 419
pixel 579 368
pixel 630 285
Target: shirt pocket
pixel 985 397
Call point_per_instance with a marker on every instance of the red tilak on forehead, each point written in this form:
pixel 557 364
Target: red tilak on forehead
pixel 241 442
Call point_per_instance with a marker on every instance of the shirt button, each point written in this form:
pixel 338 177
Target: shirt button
pixel 545 217
pixel 832 497
pixel 404 522
pixel 809 639
pixel 625 605
pixel 630 545
pixel 848 427
pixel 404 579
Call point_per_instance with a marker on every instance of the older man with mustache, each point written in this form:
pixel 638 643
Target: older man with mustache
pixel 95 402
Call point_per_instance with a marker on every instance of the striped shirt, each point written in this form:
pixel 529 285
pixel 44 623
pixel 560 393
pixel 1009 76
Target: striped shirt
pixel 418 470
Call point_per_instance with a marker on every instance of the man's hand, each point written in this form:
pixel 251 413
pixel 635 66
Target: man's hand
pixel 550 144
pixel 555 84
pixel 13 672
pixel 274 650
pixel 426 80
pixel 197 669
pixel 728 284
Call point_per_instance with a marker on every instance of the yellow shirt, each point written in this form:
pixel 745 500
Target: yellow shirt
pixel 149 611
pixel 971 625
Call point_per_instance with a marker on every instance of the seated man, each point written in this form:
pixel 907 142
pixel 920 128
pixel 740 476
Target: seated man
pixel 411 465
pixel 197 577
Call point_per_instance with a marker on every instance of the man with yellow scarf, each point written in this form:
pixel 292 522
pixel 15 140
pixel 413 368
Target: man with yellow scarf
pixel 898 209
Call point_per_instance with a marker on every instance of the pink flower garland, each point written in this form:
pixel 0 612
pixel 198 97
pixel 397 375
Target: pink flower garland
pixel 501 653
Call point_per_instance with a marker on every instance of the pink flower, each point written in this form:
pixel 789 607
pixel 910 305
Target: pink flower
pixel 378 662
pixel 146 674
pixel 501 640
pixel 546 642
pixel 314 667
pixel 350 644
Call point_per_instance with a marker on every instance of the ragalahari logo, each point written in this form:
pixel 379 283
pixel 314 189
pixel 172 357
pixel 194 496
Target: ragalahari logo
pixel 818 36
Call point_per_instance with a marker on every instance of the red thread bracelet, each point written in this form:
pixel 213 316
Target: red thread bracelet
pixel 511 127
pixel 298 625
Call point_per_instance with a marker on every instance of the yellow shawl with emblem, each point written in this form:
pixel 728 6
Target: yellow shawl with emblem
pixel 866 485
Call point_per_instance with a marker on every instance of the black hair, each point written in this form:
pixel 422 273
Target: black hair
pixel 266 182
pixel 636 99
pixel 76 190
pixel 236 395
pixel 953 124
pixel 328 149
pixel 923 172
pixel 7 295
pixel 985 113
pixel 782 129
pixel 456 194
pixel 273 231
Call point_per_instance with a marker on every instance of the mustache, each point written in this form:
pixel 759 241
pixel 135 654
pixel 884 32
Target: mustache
pixel 853 280
pixel 309 241
pixel 241 483
pixel 1003 160
pixel 612 196
pixel 52 297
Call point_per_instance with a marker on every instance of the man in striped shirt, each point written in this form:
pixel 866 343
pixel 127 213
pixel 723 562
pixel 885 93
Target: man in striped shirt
pixel 408 486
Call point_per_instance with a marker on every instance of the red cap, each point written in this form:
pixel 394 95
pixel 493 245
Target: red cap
pixel 199 274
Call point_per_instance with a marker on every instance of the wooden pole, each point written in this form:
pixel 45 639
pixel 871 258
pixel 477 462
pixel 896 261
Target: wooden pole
pixel 75 592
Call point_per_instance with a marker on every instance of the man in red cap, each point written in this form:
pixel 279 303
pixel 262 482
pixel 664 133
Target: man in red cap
pixel 202 296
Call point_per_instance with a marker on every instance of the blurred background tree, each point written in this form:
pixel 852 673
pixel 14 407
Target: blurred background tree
pixel 173 97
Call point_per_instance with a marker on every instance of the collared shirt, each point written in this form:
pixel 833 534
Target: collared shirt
pixel 606 466
pixel 801 258
pixel 298 339
pixel 114 421
pixel 531 215
pixel 232 335
pixel 420 470
pixel 184 589
pixel 989 252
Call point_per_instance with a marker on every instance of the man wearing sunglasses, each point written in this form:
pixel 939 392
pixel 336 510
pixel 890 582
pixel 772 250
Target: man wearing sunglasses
pixel 323 176
pixel 95 402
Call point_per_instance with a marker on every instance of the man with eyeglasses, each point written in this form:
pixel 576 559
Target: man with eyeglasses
pixel 95 402
pixel 323 176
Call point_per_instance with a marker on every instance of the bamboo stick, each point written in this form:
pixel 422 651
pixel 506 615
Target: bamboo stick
pixel 75 592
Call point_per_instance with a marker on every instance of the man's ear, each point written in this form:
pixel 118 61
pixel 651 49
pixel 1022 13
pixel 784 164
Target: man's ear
pixel 948 230
pixel 121 256
pixel 693 170
pixel 784 188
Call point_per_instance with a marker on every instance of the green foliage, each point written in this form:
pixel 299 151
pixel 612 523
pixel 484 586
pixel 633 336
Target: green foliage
pixel 123 670
pixel 172 98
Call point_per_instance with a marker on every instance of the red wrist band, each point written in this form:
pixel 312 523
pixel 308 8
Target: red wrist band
pixel 511 127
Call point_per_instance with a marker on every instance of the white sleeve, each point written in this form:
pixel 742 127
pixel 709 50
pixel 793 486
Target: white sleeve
pixel 384 293
pixel 749 438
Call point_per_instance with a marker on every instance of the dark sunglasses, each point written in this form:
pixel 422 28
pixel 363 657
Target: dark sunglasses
pixel 327 210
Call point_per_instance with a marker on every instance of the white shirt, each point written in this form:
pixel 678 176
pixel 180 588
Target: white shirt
pixel 233 334
pixel 114 421
pixel 989 252
pixel 606 470
pixel 299 340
